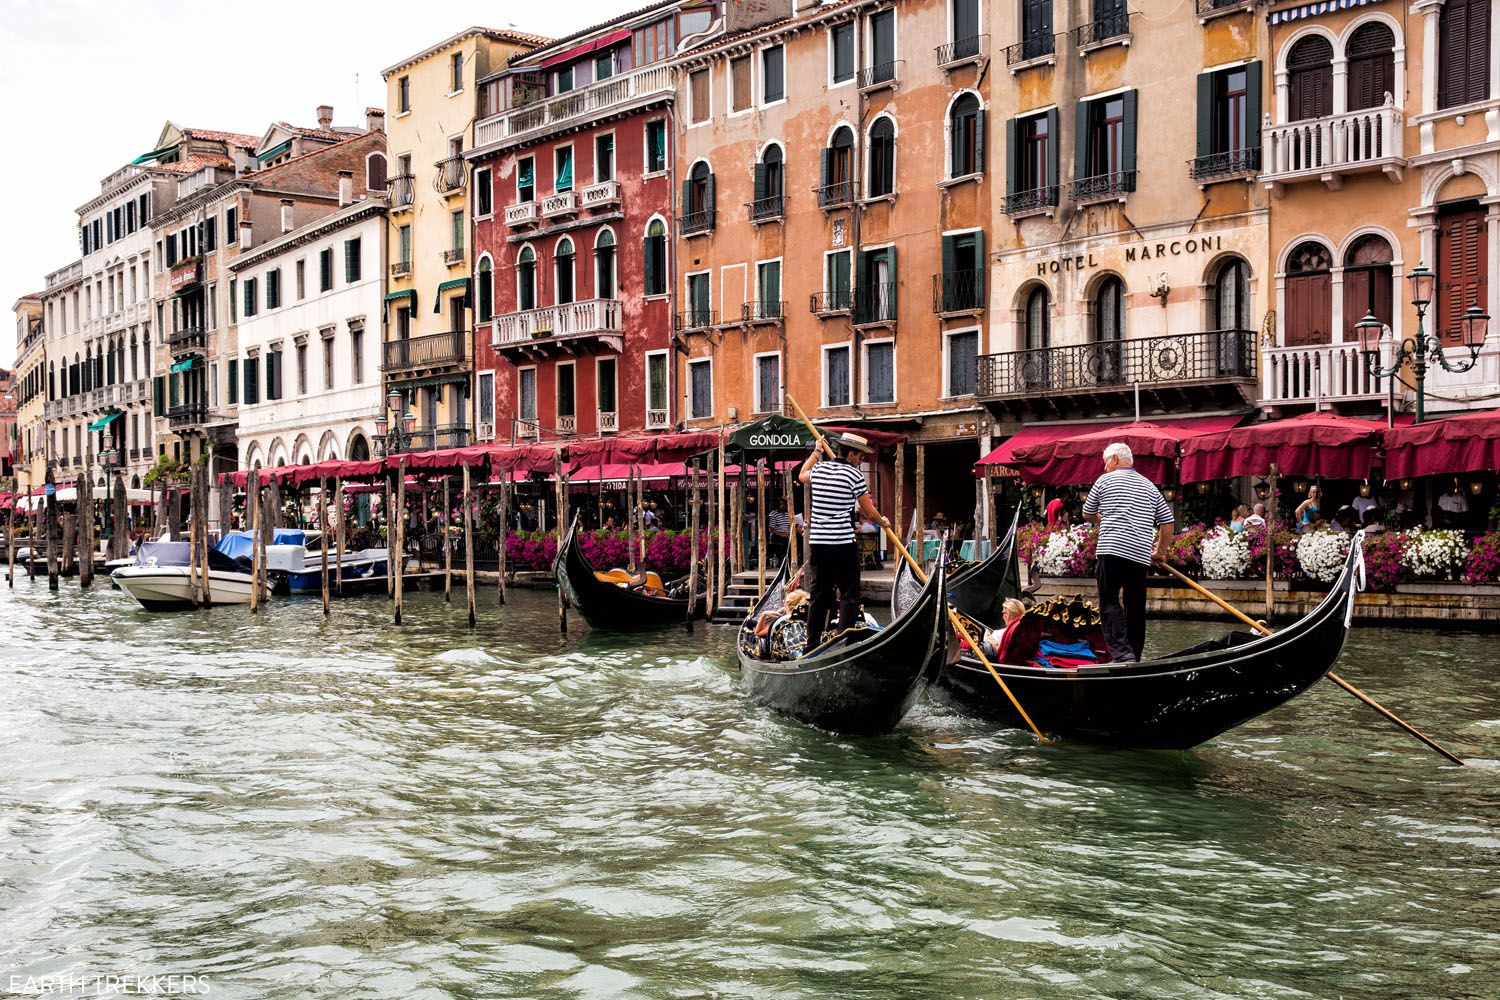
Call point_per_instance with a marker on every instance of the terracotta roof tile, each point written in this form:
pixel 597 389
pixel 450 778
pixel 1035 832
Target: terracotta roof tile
pixel 312 133
pixel 233 138
pixel 193 164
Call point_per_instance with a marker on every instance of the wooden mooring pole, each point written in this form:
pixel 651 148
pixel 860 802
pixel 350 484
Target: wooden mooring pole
pixel 468 547
pixel 398 523
pixel 252 514
pixel 323 548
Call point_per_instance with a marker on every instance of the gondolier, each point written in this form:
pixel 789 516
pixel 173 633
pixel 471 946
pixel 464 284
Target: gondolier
pixel 1135 528
pixel 838 488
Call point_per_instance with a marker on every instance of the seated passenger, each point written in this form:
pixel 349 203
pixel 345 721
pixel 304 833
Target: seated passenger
pixel 771 630
pixel 994 640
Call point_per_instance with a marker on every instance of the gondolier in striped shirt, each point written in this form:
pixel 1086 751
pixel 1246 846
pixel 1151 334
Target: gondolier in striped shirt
pixel 1135 528
pixel 838 488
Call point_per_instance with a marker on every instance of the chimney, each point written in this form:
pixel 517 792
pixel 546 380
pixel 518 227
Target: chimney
pixel 374 120
pixel 325 116
pixel 346 188
pixel 286 215
pixel 245 239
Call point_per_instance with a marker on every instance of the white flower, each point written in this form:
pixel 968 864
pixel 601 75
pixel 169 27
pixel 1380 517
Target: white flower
pixel 1059 549
pixel 1321 554
pixel 1226 555
pixel 1434 554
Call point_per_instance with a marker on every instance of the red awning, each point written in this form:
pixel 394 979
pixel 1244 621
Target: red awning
pixel 602 42
pixel 880 439
pixel 1033 435
pixel 1313 444
pixel 1076 460
pixel 1450 446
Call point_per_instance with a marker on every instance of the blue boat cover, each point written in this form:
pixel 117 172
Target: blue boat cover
pixel 240 543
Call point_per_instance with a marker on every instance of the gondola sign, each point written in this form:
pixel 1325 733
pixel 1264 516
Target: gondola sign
pixel 772 433
pixel 49 489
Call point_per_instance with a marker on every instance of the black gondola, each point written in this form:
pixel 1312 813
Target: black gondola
pixel 862 687
pixel 605 604
pixel 1173 702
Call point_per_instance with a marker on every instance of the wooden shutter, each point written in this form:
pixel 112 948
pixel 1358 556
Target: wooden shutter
pixel 1052 148
pixel 1081 140
pixel 760 183
pixel 1132 105
pixel 1012 155
pixel 1462 261
pixel 650 268
pixel 1206 114
pixel 708 193
pixel 1252 104
pixel 979 127
pixel 1463 52
pixel 1309 309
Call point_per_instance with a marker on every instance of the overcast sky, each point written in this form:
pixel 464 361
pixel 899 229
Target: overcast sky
pixel 92 81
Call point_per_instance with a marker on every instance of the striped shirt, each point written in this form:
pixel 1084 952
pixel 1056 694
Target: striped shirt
pixel 836 488
pixel 778 521
pixel 1130 509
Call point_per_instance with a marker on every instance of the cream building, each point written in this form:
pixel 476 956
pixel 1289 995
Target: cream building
pixel 28 459
pixel 308 334
pixel 428 351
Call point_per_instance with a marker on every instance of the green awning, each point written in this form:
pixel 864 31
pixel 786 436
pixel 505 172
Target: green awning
pixel 155 154
pixel 274 151
pixel 407 294
pixel 183 365
pixel 421 383
pixel 103 421
pixel 453 283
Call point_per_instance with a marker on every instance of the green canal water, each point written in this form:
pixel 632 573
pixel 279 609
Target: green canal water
pixel 293 807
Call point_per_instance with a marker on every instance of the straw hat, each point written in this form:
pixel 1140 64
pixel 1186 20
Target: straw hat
pixel 858 442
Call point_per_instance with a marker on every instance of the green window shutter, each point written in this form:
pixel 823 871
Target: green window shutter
pixel 687 197
pixel 1012 155
pixel 824 169
pixel 173 392
pixel 249 287
pixel 1252 104
pixel 760 182
pixel 650 276
pixel 980 118
pixel 1053 148
pixel 708 197
pixel 1205 114
pixel 1132 110
pixel 1081 142
pixel 234 381
pixel 158 396
pixel 948 264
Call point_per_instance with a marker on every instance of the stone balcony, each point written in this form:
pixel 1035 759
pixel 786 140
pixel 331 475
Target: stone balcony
pixel 572 328
pixel 1329 149
pixel 524 213
pixel 559 204
pixel 605 194
pixel 587 104
pixel 1318 374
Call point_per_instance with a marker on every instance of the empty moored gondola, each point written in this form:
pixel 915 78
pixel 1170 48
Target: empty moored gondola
pixel 860 686
pixel 1172 702
pixel 604 601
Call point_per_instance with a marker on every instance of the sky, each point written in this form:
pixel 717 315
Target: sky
pixel 93 81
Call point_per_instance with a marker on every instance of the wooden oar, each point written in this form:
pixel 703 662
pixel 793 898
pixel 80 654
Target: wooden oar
pixel 958 624
pixel 1331 675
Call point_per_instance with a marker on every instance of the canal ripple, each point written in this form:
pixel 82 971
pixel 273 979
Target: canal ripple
pixel 294 807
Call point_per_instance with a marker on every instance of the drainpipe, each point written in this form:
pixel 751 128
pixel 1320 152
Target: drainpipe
pixel 673 355
pixel 856 214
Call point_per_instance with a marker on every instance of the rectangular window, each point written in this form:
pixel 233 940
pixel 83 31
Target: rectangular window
pixel 604 66
pixel 701 388
pixel 655 42
pixel 880 372
pixel 656 146
pixel 773 74
pixel 698 96
pixel 567 403
pixel 357 356
pixel 484 193
pixel 1464 52
pixel 740 90
pixel 273 288
pixel 325 269
pixel 234 303
pixel 562 80
pixel 767 383
pixel 526 394
pixel 486 400
pixel 963 272
pixel 841 55
pixel 604 157
pixel 564 175
pixel 233 382
pixel 882 55
pixel 1106 159
pixel 656 383
pixel 351 260
pixel 210 234
pixel 456 73
pixel 836 284
pixel 963 359
pixel 836 376
pixel 457 225
pixel 251 303
pixel 1036 28
pixel 328 360
pixel 768 289
pixel 699 304
pixel 604 385
pixel 526 179
pixel 302 369
pixel 403 95
pixel 273 375
pixel 213 307
pixel 252 381
pixel 1228 121
pixel 1033 153
pixel 231 225
pixel 158 401
pixel 403 246
pixel 301 271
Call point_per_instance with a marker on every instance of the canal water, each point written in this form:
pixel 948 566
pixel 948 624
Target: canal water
pixel 292 807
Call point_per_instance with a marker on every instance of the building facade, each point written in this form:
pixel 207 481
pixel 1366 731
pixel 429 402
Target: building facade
pixel 1382 142
pixel 573 215
pixel 310 303
pixel 27 461
pixel 428 349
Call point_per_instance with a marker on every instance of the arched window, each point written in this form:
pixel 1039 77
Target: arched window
pixel 359 449
pixel 1310 66
pixel 604 265
pixel 1309 295
pixel 563 261
pixel 965 137
pixel 1372 65
pixel 526 279
pixel 375 170
pixel 698 198
pixel 1367 281
pixel 882 158
pixel 838 169
pixel 770 184
pixel 485 294
pixel 1038 318
pixel 1231 296
pixel 1109 310
pixel 656 258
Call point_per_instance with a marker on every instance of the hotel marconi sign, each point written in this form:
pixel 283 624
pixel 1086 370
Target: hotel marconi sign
pixel 1192 245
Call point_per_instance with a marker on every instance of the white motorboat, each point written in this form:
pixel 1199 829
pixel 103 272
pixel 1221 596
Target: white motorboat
pixel 160 578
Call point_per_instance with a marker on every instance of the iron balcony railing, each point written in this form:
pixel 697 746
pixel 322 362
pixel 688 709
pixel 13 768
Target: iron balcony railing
pixel 772 206
pixel 962 48
pixel 440 436
pixel 453 256
pixel 958 291
pixel 1103 30
pixel 835 194
pixel 875 302
pixel 451 175
pixel 1104 187
pixel 696 318
pixel 191 339
pixel 1031 48
pixel 434 349
pixel 187 414
pixel 1035 200
pixel 701 221
pixel 1119 364
pixel 403 190
pixel 1233 163
pixel 400 268
pixel 879 75
pixel 838 300
pixel 763 311
pixel 1208 8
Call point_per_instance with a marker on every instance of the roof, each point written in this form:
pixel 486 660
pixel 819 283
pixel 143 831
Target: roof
pixel 233 138
pixel 332 135
pixel 612 22
pixel 511 35
pixel 350 213
pixel 193 164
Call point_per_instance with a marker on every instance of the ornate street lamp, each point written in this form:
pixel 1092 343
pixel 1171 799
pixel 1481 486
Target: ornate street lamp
pixel 394 426
pixel 1424 348
pixel 108 458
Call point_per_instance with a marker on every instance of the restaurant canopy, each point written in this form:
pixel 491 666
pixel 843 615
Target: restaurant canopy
pixel 1076 461
pixel 1451 446
pixel 1312 445
pixel 1035 440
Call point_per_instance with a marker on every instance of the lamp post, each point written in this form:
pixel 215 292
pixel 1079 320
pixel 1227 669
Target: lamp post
pixel 107 457
pixel 394 426
pixel 1424 348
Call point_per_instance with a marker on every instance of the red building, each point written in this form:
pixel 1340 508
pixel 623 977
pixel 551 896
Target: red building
pixel 573 193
